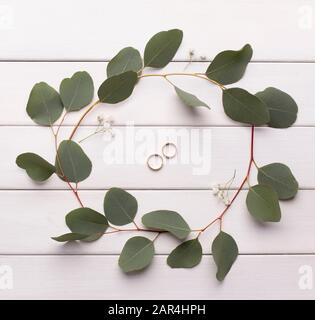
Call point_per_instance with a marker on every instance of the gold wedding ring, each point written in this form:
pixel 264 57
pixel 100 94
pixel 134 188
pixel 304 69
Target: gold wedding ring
pixel 155 162
pixel 169 150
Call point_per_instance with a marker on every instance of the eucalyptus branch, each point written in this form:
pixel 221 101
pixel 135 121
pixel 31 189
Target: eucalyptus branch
pixel 165 75
pixel 251 160
pixel 270 107
pixel 130 230
pixel 196 75
pixel 63 176
pixel 93 105
pixel 61 123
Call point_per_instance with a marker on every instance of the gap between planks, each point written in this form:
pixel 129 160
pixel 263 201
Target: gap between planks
pixel 175 61
pixel 133 189
pixel 156 254
pixel 151 125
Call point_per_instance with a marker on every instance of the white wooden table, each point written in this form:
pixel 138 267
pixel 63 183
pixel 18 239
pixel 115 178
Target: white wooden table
pixel 41 41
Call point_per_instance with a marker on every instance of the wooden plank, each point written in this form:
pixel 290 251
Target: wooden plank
pixel 209 27
pixel 154 101
pixel 205 155
pixel 32 217
pixel 98 277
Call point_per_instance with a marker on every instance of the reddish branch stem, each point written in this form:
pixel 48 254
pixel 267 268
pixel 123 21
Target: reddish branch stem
pixel 75 192
pixel 251 159
pixel 115 230
pixel 63 176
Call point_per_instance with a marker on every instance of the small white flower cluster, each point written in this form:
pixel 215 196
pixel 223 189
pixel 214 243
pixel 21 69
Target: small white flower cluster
pixel 105 125
pixel 219 191
pixel 192 54
pixel 222 190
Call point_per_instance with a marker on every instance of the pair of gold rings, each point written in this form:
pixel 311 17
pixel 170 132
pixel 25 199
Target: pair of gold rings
pixel 155 161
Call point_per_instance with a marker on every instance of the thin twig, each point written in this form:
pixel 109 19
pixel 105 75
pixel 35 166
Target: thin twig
pixel 196 75
pixel 82 117
pixel 220 217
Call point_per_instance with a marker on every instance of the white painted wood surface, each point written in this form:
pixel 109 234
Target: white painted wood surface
pixel 37 33
pixel 74 29
pixel 98 277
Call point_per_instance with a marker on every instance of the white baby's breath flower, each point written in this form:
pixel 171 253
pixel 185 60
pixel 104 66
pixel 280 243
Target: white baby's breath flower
pixel 221 194
pixel 104 127
pixel 107 125
pixel 215 189
pixel 108 135
pixel 226 201
pixel 222 190
pixel 109 119
pixel 100 119
pixel 191 54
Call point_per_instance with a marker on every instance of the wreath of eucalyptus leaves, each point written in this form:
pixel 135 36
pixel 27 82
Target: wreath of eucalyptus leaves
pixel 271 107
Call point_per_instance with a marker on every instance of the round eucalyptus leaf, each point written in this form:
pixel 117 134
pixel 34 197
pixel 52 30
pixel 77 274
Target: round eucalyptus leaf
pixel 44 105
pixel 77 92
pixel 72 162
pixel 69 237
pixel 127 59
pixel 88 222
pixel 165 220
pixel 189 99
pixel 225 252
pixel 120 207
pixel 282 108
pixel 263 204
pixel 280 178
pixel 244 107
pixel 162 47
pixel 136 255
pixel 117 88
pixel 35 166
pixel 187 255
pixel 229 66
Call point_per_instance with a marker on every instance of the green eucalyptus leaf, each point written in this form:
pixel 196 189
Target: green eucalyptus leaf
pixel 282 108
pixel 280 178
pixel 88 222
pixel 36 167
pixel 44 105
pixel 165 220
pixel 77 92
pixel 127 59
pixel 225 252
pixel 69 237
pixel 262 203
pixel 244 107
pixel 229 66
pixel 189 99
pixel 72 162
pixel 136 255
pixel 187 255
pixel 162 47
pixel 120 207
pixel 117 88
